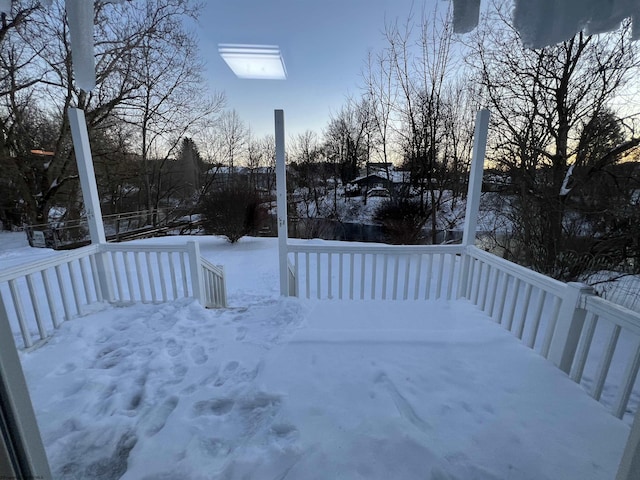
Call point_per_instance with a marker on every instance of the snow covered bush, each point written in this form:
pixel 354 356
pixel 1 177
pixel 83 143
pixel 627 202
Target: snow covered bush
pixel 234 210
pixel 403 220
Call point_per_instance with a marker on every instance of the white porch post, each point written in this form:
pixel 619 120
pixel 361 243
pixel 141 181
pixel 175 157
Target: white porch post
pixel 473 193
pixel 629 468
pixel 90 196
pixel 566 335
pixel 87 175
pixel 22 453
pixel 281 189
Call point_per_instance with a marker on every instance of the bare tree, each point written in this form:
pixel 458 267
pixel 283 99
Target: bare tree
pixel 543 102
pixel 133 40
pixel 233 135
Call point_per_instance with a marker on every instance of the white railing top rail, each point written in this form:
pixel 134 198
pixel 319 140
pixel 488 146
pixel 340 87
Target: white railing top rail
pixel 376 248
pixel 617 314
pixel 127 247
pixel 218 270
pixel 536 279
pixel 38 266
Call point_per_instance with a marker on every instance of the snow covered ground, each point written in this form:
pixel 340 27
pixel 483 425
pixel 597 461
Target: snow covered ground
pixel 276 388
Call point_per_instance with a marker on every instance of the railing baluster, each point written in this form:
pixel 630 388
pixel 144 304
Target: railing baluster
pixel 152 282
pixel 183 270
pixel 536 318
pixel 452 272
pixel 476 286
pixel 512 308
pixel 502 297
pixel 351 273
pixel 50 301
pixel 395 277
pixel 96 279
pixel 127 271
pixel 551 327
pixel 605 363
pixel 384 276
pixel 63 293
pixel 116 274
pixel 484 286
pixel 340 275
pixel 362 272
pixel 296 269
pixel 318 280
pixel 329 286
pixel 307 275
pixel 136 258
pixel 85 280
pixel 525 310
pixel 493 291
pixel 472 271
pixel 172 274
pixel 580 360
pixel 374 269
pixel 163 280
pixel 407 271
pixel 440 277
pixel 74 287
pixel 628 380
pixel 416 286
pixel 36 307
pixel 22 321
pixel 427 286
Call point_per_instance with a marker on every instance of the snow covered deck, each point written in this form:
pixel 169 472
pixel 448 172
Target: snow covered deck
pixel 284 388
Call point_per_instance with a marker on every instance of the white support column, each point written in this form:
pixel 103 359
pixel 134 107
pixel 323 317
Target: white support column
pixel 87 175
pixel 24 457
pixel 91 198
pixel 281 188
pixel 475 178
pixel 629 468
pixel 474 191
pixel 568 329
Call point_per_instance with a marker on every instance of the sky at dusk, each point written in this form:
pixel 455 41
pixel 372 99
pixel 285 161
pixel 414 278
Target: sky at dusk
pixel 324 45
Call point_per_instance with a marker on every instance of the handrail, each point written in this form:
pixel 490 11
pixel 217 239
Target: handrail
pixel 374 248
pixel 536 279
pixel 35 267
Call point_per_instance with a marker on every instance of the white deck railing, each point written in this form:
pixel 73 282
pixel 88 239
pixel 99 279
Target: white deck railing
pixel 115 273
pixel 525 302
pixel 373 271
pixel 546 314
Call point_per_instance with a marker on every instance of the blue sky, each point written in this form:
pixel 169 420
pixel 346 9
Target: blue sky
pixel 324 45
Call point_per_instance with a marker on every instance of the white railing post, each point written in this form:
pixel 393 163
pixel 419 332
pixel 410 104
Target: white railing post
pixel 197 284
pixel 281 189
pixel 474 190
pixel 571 317
pixel 91 197
pixel 629 468
pixel 28 456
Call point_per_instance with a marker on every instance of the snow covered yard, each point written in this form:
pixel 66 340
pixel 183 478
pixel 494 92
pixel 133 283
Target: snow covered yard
pixel 275 388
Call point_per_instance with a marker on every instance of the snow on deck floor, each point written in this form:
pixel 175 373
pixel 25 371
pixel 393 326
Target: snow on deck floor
pixel 286 389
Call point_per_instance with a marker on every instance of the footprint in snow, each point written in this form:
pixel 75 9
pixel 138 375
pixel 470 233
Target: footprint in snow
pixel 217 407
pixel 198 355
pixel 226 373
pixel 156 418
pixel 173 349
pixel 241 333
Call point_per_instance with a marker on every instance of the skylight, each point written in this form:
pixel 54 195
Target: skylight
pixel 263 62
